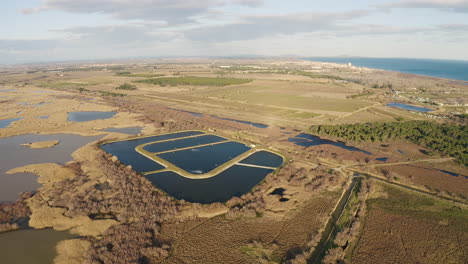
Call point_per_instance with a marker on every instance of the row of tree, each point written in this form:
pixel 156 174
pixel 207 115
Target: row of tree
pixel 446 139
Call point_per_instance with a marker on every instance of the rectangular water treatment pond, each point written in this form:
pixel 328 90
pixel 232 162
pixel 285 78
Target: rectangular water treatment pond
pixel 196 166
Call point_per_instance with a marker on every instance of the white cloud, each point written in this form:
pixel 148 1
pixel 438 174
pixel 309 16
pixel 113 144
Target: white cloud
pixel 449 5
pixel 171 11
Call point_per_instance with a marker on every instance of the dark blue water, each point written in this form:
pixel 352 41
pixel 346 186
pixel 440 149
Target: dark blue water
pixel 188 112
pixel 125 151
pixel 382 159
pixel 222 118
pixel 85 116
pixel 204 159
pixel 242 122
pixel 450 173
pixel 125 130
pixel 182 143
pixel 6 122
pixel 449 69
pixel 308 140
pixel 235 181
pixel 410 107
pixel 263 158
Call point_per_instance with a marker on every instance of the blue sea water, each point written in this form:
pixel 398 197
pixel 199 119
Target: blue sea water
pixel 449 69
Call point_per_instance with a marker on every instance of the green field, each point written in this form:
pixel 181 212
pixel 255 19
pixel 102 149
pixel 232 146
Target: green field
pixel 192 80
pixel 145 75
pixel 261 97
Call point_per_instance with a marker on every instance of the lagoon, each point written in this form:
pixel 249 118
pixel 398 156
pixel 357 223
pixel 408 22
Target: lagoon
pixel 308 140
pixel 31 246
pixel 85 116
pixel 409 107
pixel 6 122
pixel 13 184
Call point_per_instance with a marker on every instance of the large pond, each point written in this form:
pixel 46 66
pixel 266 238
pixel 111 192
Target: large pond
pixel 30 246
pixel 126 153
pixel 235 181
pixel 6 122
pixel 85 116
pixel 308 140
pixel 183 143
pixel 15 155
pixel 204 159
pixel 263 158
pixel 196 152
pixel 410 107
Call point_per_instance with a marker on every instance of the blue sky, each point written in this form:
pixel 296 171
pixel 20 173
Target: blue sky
pixel 58 30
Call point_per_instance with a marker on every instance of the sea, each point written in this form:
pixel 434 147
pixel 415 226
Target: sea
pixel 448 69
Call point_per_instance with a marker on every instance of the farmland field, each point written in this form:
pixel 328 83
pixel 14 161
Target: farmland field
pixel 402 226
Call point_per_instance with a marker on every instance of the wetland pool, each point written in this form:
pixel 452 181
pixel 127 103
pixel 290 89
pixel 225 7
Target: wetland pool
pixel 124 130
pixel 409 107
pixel 85 116
pixel 13 184
pixel 6 122
pixel 258 125
pixel 308 140
pixel 31 246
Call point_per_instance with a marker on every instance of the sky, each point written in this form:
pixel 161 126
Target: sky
pixel 62 30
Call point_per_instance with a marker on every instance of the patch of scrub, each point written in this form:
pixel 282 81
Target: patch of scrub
pixel 6 122
pixel 409 107
pixel 235 181
pixel 308 140
pixel 41 144
pixel 84 116
pixel 124 130
pixel 31 246
pixel 182 143
pixel 206 158
pixel 19 156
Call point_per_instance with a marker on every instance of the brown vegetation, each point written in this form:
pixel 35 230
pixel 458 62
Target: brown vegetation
pixel 15 215
pixel 403 227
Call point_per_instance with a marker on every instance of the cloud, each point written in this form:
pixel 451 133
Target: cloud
pixel 21 45
pixel 449 5
pixel 113 35
pixel 250 3
pixel 258 26
pixel 172 11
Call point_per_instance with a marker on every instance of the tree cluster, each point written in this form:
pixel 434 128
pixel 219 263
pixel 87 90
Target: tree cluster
pixel 447 139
